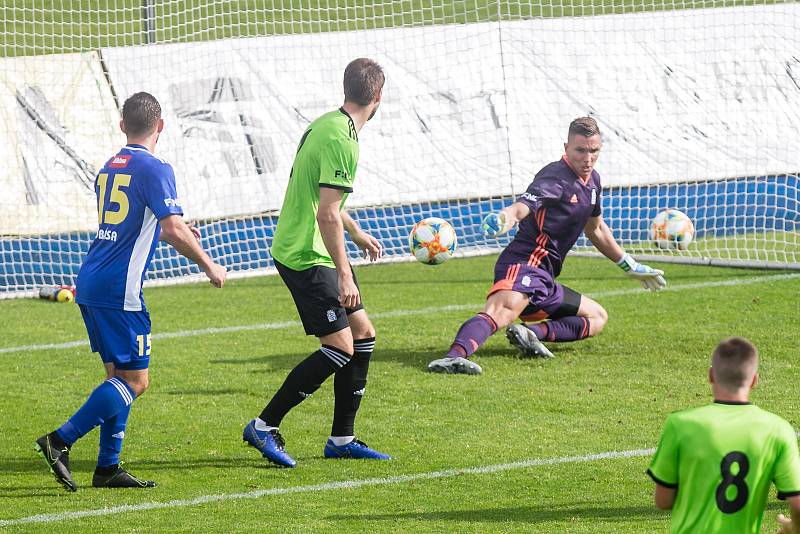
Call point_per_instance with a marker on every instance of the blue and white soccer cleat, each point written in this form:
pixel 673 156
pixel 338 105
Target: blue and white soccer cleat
pixel 270 443
pixel 356 450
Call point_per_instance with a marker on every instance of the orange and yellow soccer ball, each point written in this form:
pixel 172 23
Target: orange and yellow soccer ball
pixel 672 229
pixel 432 241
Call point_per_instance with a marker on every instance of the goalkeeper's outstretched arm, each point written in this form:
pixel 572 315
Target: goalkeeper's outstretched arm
pixel 598 232
pixel 500 222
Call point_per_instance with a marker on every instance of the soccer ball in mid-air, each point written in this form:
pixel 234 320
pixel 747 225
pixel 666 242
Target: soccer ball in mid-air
pixel 672 229
pixel 432 241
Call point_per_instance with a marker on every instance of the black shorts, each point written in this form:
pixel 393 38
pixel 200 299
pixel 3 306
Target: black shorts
pixel 316 294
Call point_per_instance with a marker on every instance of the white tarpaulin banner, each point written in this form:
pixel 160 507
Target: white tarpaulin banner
pixel 469 110
pixel 235 111
pixel 57 123
pixel 679 95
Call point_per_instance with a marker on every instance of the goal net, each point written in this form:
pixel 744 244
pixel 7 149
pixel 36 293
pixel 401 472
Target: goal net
pixel 698 103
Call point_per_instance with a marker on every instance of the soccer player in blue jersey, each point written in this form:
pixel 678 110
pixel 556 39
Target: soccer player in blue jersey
pixel 562 201
pixel 137 203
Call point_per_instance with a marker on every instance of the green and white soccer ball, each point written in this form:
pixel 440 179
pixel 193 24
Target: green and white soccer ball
pixel 432 241
pixel 672 230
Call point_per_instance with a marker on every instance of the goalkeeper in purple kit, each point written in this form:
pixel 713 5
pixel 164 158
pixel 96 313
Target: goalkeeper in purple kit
pixel 562 201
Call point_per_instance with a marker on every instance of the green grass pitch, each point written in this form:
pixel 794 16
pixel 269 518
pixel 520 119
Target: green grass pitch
pixel 30 27
pixel 609 393
pixel 460 443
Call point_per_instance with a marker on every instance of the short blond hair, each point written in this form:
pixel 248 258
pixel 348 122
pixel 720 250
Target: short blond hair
pixel 734 362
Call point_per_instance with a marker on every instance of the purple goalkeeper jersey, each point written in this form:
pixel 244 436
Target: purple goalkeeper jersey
pixel 561 204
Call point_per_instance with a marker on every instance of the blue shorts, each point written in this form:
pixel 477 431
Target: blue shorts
pixel 547 299
pixel 121 337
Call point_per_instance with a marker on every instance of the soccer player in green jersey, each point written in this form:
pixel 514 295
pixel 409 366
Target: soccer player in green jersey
pixel 715 463
pixel 309 253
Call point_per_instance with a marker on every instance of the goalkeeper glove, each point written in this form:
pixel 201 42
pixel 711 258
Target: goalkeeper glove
pixel 650 278
pixel 494 224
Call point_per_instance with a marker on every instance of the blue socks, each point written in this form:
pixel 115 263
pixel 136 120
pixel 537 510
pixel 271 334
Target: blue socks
pixel 105 406
pixel 112 432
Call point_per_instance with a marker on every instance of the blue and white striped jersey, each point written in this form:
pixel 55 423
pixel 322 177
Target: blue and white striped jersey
pixel 134 191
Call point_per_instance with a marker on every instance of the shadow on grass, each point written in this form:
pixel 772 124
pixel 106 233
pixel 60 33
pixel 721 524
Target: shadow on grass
pixel 34 465
pixel 531 514
pixel 209 392
pixel 520 514
pixel 253 461
pixel 415 358
pixel 46 489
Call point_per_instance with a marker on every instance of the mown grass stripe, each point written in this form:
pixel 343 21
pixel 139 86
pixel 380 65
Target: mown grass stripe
pixel 404 313
pixel 327 486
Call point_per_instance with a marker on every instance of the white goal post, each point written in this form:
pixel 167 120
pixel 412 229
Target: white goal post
pixel 699 106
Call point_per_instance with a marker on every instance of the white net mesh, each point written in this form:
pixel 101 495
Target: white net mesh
pixel 698 103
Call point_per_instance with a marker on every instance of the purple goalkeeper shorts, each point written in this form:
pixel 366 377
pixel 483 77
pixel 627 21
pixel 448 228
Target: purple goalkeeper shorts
pixel 547 299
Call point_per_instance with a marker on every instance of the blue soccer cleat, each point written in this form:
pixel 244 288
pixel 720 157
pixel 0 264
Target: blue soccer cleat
pixel 356 450
pixel 270 443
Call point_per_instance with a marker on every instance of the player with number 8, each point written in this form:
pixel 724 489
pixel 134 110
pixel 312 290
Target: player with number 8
pixel 715 463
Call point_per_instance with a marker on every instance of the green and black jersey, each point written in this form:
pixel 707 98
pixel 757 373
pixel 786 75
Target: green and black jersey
pixel 326 157
pixel 722 459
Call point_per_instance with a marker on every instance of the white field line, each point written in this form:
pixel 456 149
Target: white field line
pixel 403 313
pixel 345 484
pixel 327 486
